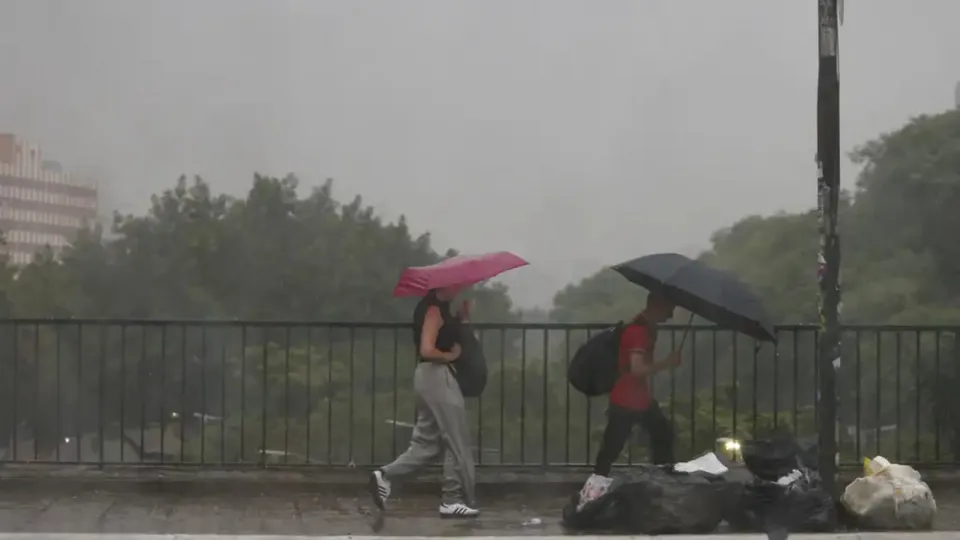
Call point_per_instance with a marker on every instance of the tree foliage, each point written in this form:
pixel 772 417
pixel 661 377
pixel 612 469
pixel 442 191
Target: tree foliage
pixel 270 256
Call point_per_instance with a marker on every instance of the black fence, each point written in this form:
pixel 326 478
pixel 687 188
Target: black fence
pixel 227 394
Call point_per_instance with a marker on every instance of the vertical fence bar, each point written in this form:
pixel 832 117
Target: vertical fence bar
pixel 736 383
pixel 329 395
pixel 352 338
pixel 956 371
pixel 673 385
pixel 309 401
pixel 878 421
pixel 916 385
pixel 183 393
pixel 58 418
pixel 203 393
pixel 523 396
pixel 816 381
pixel 566 404
pixel 373 395
pixel 480 338
pixel 936 417
pixel 223 397
pixel 101 372
pixel 38 389
pixel 503 387
pixel 857 376
pixel 693 390
pixel 796 383
pixel 15 408
pixel 546 394
pixel 286 393
pixel 243 393
pixel 756 387
pixel 776 382
pixel 123 392
pixel 713 375
pixel 589 415
pixel 264 376
pixel 396 385
pixel 899 427
pixel 142 387
pixel 163 392
pixel 79 414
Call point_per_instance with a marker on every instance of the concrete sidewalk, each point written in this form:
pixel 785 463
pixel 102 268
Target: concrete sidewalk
pixel 143 513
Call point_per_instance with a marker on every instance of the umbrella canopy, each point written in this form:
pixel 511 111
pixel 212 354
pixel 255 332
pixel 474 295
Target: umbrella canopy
pixel 455 271
pixel 710 293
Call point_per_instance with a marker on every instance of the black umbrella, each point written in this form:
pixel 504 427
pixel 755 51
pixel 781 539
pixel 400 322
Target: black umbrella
pixel 713 294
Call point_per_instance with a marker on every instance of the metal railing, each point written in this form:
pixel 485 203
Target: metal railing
pixel 227 394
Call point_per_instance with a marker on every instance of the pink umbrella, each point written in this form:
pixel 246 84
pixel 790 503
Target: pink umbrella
pixel 459 270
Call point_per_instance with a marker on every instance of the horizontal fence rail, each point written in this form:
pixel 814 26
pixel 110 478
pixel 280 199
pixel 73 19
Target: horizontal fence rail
pixel 235 393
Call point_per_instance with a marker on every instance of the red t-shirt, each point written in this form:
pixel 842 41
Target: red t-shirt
pixel 632 392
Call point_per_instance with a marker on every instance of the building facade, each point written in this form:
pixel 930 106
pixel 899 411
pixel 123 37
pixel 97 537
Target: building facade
pixel 40 204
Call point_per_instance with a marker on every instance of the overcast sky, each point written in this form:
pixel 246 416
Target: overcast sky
pixel 575 133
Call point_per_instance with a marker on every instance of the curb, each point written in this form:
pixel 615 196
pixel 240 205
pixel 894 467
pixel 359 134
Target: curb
pixel 122 536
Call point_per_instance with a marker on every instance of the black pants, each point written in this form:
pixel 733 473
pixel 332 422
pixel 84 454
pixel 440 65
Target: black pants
pixel 620 424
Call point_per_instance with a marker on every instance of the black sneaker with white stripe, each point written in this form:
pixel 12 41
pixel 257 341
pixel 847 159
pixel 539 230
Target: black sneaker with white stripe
pixel 379 488
pixel 457 510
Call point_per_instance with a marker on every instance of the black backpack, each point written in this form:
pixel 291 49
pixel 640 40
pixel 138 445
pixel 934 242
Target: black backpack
pixel 595 368
pixel 470 369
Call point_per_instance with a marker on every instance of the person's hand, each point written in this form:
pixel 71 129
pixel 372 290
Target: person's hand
pixel 673 360
pixel 454 352
pixel 464 313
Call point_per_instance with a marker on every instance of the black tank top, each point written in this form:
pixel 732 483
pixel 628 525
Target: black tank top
pixel 449 333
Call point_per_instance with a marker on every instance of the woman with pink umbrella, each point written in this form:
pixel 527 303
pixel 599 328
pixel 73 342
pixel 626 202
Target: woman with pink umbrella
pixel 441 429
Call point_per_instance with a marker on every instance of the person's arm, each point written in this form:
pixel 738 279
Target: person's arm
pixel 432 321
pixel 640 368
pixel 636 341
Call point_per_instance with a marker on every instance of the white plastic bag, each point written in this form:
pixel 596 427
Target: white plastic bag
pixel 890 497
pixel 708 463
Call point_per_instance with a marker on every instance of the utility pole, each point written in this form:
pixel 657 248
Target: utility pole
pixel 828 259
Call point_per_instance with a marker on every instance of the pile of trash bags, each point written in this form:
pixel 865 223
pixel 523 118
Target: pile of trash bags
pixel 889 497
pixel 778 489
pixel 785 493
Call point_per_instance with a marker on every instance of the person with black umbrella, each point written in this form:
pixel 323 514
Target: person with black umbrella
pixel 673 281
pixel 631 402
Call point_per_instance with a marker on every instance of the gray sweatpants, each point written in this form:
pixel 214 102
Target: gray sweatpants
pixel 441 430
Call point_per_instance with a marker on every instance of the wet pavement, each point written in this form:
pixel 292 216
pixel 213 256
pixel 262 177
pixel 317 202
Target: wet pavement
pixel 281 511
pixel 83 511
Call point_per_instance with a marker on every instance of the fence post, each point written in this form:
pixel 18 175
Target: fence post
pixel 828 191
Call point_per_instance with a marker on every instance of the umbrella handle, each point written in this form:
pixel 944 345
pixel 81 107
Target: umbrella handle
pixel 686 331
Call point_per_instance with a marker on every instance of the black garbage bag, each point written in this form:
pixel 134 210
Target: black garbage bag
pixel 786 493
pixel 772 459
pixel 656 500
pixel 802 506
pixel 470 369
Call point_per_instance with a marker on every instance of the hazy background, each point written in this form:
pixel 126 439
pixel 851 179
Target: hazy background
pixel 576 133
